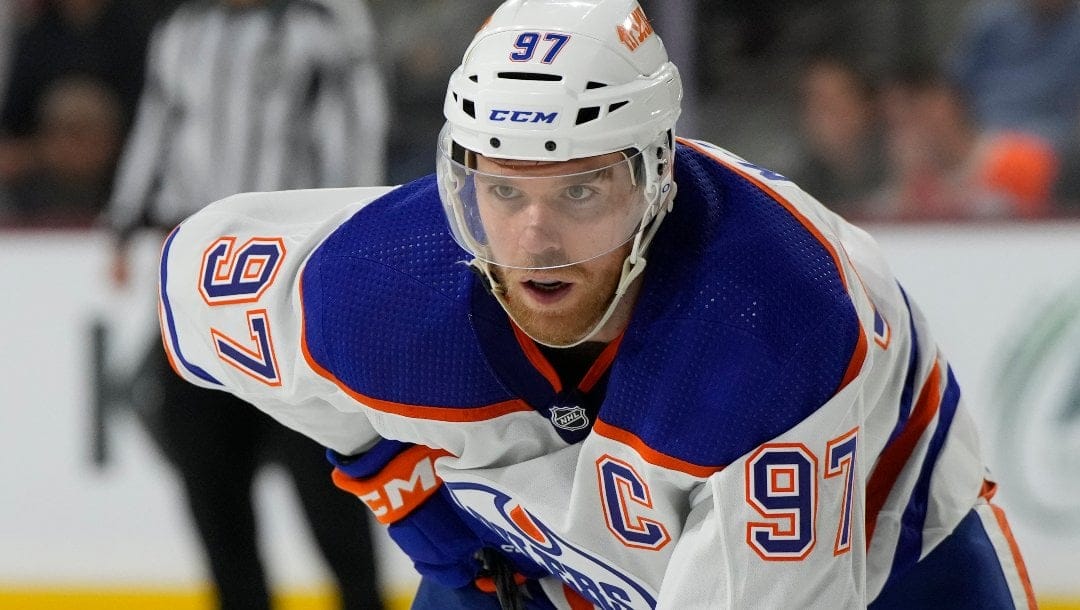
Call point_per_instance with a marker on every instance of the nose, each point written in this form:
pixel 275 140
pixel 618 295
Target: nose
pixel 539 234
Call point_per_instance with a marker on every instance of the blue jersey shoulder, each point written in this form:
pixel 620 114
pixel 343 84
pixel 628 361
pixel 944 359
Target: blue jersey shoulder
pixel 385 300
pixel 744 327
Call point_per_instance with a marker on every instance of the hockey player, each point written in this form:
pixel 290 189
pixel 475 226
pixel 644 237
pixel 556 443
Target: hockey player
pixel 561 385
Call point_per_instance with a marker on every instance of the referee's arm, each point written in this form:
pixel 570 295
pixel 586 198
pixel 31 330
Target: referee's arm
pixel 140 162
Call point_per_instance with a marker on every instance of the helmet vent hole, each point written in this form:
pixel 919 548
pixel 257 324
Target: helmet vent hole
pixel 594 85
pixel 550 146
pixel 616 106
pixel 590 113
pixel 530 76
pixel 495 142
pixel 469 108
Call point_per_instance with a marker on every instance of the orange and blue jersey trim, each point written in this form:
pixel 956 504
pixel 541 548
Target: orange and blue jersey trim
pixel 907 394
pixel 913 418
pixel 899 451
pixel 858 356
pixel 169 335
pixel 430 413
pixel 650 455
pixel 989 488
pixel 778 198
pixel 536 358
pixel 910 543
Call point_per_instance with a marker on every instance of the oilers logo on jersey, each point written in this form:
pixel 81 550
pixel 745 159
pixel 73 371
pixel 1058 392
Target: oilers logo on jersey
pixel 598 581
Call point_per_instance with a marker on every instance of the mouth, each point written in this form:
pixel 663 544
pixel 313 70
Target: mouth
pixel 545 291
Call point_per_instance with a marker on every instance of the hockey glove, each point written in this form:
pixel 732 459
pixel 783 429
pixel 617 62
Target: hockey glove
pixel 397 481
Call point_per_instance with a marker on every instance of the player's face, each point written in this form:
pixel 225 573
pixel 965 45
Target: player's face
pixel 540 217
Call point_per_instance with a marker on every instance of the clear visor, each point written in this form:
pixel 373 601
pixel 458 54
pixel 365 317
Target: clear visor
pixel 537 215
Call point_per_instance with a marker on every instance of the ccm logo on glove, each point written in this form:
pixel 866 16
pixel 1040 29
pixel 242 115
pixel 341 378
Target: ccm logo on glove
pixel 401 486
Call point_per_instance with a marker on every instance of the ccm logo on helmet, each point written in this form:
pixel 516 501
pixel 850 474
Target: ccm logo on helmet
pixel 522 116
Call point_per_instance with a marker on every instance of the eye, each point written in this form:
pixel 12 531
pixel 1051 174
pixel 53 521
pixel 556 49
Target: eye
pixel 504 191
pixel 579 192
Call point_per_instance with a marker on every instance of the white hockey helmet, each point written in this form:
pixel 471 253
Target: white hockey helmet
pixel 556 80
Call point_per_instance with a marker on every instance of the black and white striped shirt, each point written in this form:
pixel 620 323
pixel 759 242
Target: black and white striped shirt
pixel 281 95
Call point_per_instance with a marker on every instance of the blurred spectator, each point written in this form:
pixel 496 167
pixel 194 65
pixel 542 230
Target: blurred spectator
pixel 153 11
pixel 419 58
pixel 96 39
pixel 246 95
pixel 1067 193
pixel 75 151
pixel 942 167
pixel 1018 62
pixel 843 161
pixel 12 158
pixel 1067 189
pixel 7 35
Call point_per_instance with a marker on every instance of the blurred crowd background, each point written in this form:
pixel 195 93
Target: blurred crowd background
pixel 891 110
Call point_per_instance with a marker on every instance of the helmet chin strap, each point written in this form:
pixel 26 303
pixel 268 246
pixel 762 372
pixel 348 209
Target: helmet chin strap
pixel 633 267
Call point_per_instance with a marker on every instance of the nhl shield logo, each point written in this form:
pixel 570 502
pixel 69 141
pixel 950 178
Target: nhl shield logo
pixel 569 418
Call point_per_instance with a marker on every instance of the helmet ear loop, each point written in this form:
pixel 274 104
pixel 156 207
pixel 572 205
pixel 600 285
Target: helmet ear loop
pixel 492 284
pixel 665 162
pixel 660 192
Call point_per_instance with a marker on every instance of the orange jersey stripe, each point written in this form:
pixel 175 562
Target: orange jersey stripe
pixel 859 355
pixel 536 358
pixel 602 364
pixel 651 455
pixel 446 414
pixel 1018 559
pixel 896 455
pixel 165 339
pixel 857 359
pixel 779 199
pixel 541 364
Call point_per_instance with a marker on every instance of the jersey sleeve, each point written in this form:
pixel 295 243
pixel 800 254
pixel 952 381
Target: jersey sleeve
pixel 231 313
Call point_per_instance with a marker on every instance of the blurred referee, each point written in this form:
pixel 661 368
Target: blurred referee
pixel 251 95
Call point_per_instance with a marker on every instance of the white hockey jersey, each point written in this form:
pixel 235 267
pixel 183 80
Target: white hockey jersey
pixel 775 428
